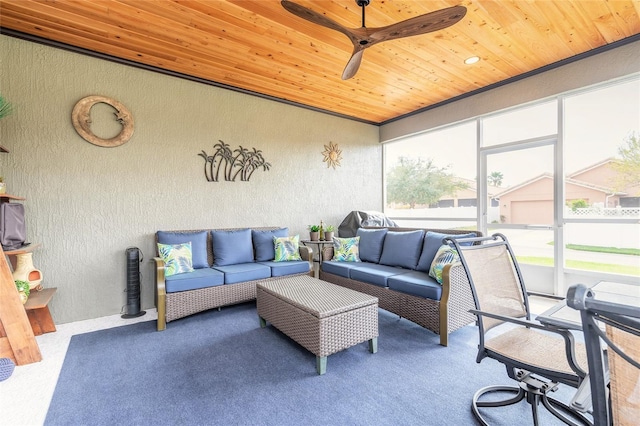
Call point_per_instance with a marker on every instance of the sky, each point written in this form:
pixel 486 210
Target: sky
pixel 596 124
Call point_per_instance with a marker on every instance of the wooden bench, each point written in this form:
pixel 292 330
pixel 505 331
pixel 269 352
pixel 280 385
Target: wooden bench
pixel 38 311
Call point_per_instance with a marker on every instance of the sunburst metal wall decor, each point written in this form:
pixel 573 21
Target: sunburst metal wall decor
pixel 332 155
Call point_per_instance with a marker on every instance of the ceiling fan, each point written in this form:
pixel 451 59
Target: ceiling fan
pixel 366 37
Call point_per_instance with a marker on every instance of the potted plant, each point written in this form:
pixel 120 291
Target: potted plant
pixel 314 232
pixel 24 290
pixel 328 232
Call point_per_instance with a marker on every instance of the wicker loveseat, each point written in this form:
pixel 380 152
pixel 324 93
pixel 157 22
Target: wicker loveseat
pixel 227 264
pixel 395 269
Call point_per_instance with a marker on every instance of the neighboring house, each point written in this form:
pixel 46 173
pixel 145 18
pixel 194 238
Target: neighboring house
pixel 467 197
pixel 532 201
pixel 604 173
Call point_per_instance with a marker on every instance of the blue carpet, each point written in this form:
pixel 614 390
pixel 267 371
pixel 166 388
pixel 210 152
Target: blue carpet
pixel 220 367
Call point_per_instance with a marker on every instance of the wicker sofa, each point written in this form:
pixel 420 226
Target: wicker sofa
pixel 227 264
pixel 394 268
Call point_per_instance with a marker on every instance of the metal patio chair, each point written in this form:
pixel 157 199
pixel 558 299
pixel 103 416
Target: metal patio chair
pixel 536 356
pixel 612 337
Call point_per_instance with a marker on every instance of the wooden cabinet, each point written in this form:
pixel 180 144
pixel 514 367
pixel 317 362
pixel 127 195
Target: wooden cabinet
pixel 9 197
pixel 17 338
pixel 37 308
pixel 5 198
pixel 13 254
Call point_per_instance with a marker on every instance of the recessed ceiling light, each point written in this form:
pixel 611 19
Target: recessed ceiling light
pixel 471 60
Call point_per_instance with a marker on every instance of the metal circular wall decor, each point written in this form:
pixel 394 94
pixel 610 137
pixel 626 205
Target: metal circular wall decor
pixel 81 118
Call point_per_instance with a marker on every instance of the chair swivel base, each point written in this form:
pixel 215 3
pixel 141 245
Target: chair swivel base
pixel 534 391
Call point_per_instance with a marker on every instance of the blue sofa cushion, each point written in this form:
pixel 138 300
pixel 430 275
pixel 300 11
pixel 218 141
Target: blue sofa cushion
pixel 374 273
pixel 402 249
pixel 416 283
pixel 231 247
pixel 263 242
pixel 339 268
pixel 198 244
pixel 371 244
pixel 241 272
pixel 432 242
pixel 199 278
pixel 279 269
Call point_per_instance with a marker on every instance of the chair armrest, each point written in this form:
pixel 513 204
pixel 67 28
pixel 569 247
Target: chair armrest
pixel 455 301
pixel 160 293
pixel 306 253
pixel 569 340
pixel 453 276
pixel 327 253
pixel 545 295
pixel 159 272
pixel 513 320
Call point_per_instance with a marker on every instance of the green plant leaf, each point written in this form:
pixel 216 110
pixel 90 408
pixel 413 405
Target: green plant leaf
pixel 5 107
pixel 23 286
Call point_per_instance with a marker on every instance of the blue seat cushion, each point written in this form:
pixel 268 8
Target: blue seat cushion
pixel 371 241
pixel 402 248
pixel 432 242
pixel 232 247
pixel 263 242
pixel 241 272
pixel 339 268
pixel 198 244
pixel 279 269
pixel 199 278
pixel 374 273
pixel 416 283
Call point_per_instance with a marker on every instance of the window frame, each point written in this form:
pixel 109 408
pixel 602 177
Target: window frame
pixel 558 140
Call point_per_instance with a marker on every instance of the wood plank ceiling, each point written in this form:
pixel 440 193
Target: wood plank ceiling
pixel 258 46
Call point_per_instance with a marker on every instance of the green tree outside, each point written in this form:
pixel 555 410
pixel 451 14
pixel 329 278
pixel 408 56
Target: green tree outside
pixel 495 179
pixel 417 181
pixel 577 204
pixel 629 167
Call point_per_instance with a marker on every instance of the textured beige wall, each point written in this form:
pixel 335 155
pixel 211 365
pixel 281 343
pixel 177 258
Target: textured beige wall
pixel 87 204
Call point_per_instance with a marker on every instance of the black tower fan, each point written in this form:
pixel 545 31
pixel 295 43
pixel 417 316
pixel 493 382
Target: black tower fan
pixel 133 283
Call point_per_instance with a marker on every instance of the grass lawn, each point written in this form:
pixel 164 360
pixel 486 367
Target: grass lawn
pixel 581 264
pixel 631 251
pixel 598 249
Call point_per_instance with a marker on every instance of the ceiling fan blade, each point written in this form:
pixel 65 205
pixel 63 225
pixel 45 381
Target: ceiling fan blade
pixel 316 18
pixel 434 21
pixel 364 37
pixel 354 63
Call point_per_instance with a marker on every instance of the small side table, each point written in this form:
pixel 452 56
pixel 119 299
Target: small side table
pixel 320 244
pixel 38 311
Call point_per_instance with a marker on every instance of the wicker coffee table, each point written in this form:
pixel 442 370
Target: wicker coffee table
pixel 322 317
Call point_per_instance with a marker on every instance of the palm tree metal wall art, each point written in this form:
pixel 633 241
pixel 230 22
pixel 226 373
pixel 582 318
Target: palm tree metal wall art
pixel 239 163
